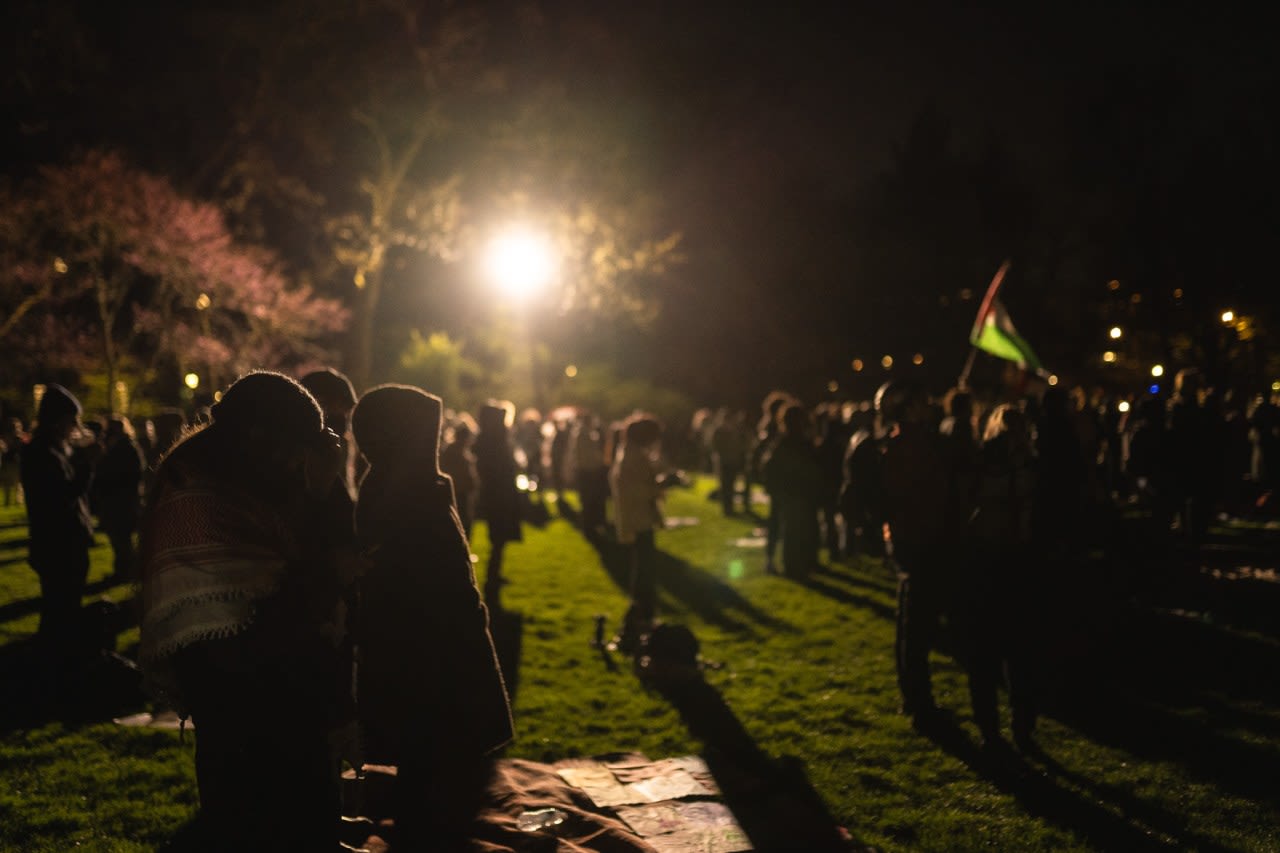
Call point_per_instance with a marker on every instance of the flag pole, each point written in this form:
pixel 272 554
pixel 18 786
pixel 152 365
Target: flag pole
pixel 983 310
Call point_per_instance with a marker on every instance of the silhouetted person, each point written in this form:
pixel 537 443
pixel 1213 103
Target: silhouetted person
pixel 591 474
pixel 12 439
pixel 998 608
pixel 117 489
pixel 237 620
pixel 497 498
pixel 794 481
pixel 1058 506
pixel 55 481
pixel 437 712
pixel 917 502
pixel 730 442
pixel 637 482
pixel 862 492
pixel 458 462
pixel 833 431
pixel 1195 438
pixel 767 435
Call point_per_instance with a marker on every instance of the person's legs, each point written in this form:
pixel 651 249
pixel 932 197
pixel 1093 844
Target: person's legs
pixel 917 618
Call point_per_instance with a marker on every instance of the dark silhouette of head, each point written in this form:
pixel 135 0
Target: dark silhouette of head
pixel 495 416
pixel 794 420
pixel 58 413
pixel 901 401
pixel 335 394
pixel 642 430
pixel 398 424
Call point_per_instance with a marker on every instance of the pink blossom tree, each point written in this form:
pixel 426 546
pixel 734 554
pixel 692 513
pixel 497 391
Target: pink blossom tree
pixel 98 245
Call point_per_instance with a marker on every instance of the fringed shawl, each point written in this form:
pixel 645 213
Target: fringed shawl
pixel 209 558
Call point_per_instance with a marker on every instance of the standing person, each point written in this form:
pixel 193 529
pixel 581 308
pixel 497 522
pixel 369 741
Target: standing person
pixel 55 482
pixel 497 498
pixel 862 491
pixel 438 713
pixel 459 462
pixel 767 435
pixel 637 482
pixel 12 439
pixel 1001 594
pixel 917 488
pixel 795 482
pixel 235 615
pixel 729 442
pixel 117 490
pixel 591 474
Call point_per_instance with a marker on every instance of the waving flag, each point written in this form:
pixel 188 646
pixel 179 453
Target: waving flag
pixel 994 332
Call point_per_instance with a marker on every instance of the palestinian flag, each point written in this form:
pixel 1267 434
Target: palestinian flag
pixel 994 332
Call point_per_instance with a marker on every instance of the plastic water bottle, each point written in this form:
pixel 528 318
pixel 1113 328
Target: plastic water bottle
pixel 532 821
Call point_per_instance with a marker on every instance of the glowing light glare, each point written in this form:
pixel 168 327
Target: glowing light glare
pixel 857 365
pixel 571 371
pixel 217 396
pixel 1154 389
pixel 1109 357
pixel 520 262
pixel 886 362
pixel 1228 316
pixel 203 301
pixel 917 359
pixel 522 482
pixel 1116 332
pixel 1275 386
pixel 833 386
pixel 1113 285
pixel 1157 370
pixel 1177 293
pixel 1123 407
pixel 1053 379
pixel 60 266
pixel 192 381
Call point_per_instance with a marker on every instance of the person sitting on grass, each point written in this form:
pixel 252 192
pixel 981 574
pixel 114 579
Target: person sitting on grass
pixel 435 713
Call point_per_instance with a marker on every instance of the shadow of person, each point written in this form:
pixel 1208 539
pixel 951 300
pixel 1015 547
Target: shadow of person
pixel 772 799
pixel 507 629
pixel 93 686
pixel 712 599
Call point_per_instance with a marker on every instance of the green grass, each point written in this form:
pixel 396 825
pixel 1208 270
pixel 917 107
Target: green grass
pixel 805 671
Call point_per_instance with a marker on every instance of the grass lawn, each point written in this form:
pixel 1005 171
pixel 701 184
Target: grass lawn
pixel 1173 746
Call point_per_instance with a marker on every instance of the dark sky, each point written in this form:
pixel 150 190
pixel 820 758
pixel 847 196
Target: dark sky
pixel 765 125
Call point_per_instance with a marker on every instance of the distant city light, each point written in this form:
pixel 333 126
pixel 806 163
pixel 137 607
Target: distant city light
pixel 1154 389
pixel 1053 379
pixel 1113 285
pixel 60 266
pixel 1157 370
pixel 203 301
pixel 833 386
pixel 192 381
pixel 1136 298
pixel 1109 357
pixel 917 359
pixel 1275 386
pixel 1177 293
pixel 857 365
pixel 571 371
pixel 1228 316
pixel 966 295
pixel 886 362
pixel 1116 332
pixel 1123 407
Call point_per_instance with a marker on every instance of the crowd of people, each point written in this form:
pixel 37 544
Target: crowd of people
pixel 296 537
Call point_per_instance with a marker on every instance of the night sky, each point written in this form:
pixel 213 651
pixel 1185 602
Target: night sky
pixel 763 131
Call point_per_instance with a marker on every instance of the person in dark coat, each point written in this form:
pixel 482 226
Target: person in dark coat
pixel 458 461
pixel 437 713
pixel 236 616
pixel 117 493
pixel 497 498
pixel 862 492
pixel 56 479
pixel 794 479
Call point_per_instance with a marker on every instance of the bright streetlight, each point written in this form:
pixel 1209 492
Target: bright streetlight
pixel 1157 370
pixel 192 381
pixel 520 261
pixel 1116 332
pixel 1228 316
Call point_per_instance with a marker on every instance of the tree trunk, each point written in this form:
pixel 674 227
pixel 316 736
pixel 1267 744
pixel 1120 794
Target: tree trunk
pixel 107 321
pixel 359 367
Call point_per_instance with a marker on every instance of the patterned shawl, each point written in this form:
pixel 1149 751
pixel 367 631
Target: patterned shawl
pixel 209 558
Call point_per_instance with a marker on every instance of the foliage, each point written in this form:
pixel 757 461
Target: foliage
pixel 97 247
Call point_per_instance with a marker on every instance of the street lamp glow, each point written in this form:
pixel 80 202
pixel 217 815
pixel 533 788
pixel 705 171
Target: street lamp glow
pixel 917 359
pixel 1116 332
pixel 1124 406
pixel 857 365
pixel 1053 379
pixel 521 262
pixel 1228 316
pixel 1157 370
pixel 571 371
pixel 192 381
pixel 1109 357
pixel 886 362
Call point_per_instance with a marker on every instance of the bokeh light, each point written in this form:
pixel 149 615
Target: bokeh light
pixel 520 261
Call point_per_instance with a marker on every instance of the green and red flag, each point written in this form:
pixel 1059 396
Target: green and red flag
pixel 994 332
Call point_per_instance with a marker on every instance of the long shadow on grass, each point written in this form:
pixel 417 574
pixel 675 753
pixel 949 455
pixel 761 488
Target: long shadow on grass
pixel 772 799
pixel 845 596
pixel 711 599
pixel 1177 690
pixel 1106 817
pixel 26 606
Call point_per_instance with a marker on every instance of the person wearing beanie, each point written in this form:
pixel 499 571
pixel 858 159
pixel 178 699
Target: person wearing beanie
pixel 235 615
pixel 438 713
pixel 56 479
